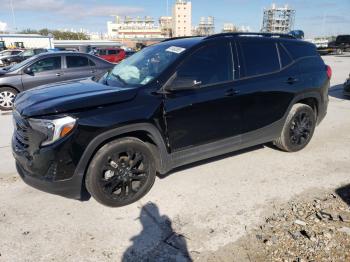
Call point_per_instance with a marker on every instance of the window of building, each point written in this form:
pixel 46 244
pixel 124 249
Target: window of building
pixel 77 61
pixel 200 67
pixel 260 57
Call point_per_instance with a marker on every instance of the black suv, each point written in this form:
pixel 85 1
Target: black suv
pixel 341 44
pixel 171 104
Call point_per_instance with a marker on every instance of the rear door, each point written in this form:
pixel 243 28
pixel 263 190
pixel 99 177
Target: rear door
pixel 77 66
pixel 267 87
pixel 44 71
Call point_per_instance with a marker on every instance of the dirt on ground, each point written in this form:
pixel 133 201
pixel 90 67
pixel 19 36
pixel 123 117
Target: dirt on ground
pixel 305 229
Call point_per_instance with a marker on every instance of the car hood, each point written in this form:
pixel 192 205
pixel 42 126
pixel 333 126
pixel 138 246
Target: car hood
pixel 70 96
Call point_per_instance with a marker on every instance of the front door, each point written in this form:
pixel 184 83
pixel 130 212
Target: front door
pixel 211 112
pixel 44 71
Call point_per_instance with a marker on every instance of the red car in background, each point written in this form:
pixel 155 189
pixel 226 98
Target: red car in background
pixel 113 55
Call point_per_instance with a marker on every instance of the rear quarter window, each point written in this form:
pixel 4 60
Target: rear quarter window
pixel 299 49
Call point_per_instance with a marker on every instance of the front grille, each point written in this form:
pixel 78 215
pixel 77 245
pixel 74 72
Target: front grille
pixel 21 131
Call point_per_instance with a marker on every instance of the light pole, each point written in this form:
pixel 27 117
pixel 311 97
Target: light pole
pixel 13 16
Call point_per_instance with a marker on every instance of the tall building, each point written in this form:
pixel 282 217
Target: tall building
pixel 206 26
pixel 133 28
pixel 278 19
pixel 229 28
pixel 166 25
pixel 182 18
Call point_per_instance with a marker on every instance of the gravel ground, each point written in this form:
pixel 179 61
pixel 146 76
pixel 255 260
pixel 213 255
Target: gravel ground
pixel 201 212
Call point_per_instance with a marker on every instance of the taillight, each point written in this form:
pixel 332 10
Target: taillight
pixel 329 71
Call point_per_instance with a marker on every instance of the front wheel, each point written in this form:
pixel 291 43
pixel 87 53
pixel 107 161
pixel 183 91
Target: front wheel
pixel 121 172
pixel 7 96
pixel 298 129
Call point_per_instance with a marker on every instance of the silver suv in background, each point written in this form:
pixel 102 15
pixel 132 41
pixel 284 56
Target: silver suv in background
pixel 47 68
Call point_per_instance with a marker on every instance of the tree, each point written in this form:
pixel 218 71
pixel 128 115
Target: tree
pixel 57 34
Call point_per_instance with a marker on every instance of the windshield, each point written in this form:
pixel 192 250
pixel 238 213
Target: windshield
pixel 27 53
pixel 145 65
pixel 21 64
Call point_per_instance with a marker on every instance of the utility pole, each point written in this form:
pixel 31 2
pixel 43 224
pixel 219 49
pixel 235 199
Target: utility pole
pixel 13 16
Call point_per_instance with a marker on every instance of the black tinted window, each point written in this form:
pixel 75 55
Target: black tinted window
pixel 112 52
pixel 92 63
pixel 260 57
pixel 343 39
pixel 209 65
pixel 284 56
pixel 77 61
pixel 300 49
pixel 102 52
pixel 46 64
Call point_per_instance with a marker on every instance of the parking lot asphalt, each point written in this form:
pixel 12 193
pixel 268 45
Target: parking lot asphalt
pixel 190 212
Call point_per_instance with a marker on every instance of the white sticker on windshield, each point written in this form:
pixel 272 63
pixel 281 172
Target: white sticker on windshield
pixel 175 49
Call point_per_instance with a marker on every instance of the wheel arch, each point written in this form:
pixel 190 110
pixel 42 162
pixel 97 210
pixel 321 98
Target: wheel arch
pixel 312 99
pixel 146 132
pixel 10 86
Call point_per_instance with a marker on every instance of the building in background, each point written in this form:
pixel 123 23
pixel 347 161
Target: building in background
pixel 278 19
pixel 206 26
pixel 166 26
pixel 229 28
pixel 182 18
pixel 133 28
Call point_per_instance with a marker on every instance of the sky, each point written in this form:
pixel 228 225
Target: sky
pixel 314 17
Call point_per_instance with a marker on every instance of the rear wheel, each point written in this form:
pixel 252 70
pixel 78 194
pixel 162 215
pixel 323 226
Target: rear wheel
pixel 121 172
pixel 7 96
pixel 298 129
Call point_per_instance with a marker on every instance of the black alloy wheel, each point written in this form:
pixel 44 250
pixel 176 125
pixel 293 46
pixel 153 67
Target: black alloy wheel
pixel 298 129
pixel 121 172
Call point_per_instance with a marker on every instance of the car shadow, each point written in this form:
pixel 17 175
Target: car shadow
pixel 337 92
pixel 344 193
pixel 157 240
pixel 213 159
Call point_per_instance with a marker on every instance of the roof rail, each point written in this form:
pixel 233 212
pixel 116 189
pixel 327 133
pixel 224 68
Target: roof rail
pixel 179 37
pixel 251 34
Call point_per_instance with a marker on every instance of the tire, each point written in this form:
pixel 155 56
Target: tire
pixel 298 129
pixel 7 96
pixel 121 172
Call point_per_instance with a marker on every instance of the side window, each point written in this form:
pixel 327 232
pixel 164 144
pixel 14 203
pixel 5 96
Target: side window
pixel 300 49
pixel 284 56
pixel 260 57
pixel 209 65
pixel 91 63
pixel 112 52
pixel 77 61
pixel 102 52
pixel 47 64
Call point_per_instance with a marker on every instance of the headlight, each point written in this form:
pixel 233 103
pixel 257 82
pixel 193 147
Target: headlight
pixel 54 129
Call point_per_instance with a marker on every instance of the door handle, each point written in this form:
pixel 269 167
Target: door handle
pixel 58 74
pixel 292 80
pixel 231 92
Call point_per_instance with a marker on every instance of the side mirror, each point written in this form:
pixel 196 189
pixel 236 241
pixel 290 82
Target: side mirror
pixel 28 71
pixel 184 83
